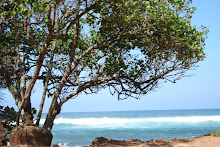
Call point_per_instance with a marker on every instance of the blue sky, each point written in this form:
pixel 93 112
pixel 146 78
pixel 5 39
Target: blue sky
pixel 201 91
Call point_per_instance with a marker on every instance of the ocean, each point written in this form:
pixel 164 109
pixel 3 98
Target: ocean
pixel 80 128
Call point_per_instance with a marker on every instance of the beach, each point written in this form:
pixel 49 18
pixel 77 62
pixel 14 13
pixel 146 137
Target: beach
pixel 204 141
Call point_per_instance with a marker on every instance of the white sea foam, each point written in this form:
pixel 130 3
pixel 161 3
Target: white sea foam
pixel 64 144
pixel 106 120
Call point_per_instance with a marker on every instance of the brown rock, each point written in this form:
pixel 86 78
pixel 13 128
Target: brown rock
pixel 205 141
pixel 133 141
pixel 114 142
pixel 30 136
pixel 160 140
pixel 54 145
pixel 99 141
pixel 152 141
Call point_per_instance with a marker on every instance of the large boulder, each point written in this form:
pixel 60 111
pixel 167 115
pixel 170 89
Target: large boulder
pixel 30 136
pixel 102 141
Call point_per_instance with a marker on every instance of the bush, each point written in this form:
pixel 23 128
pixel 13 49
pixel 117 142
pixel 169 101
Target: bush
pixel 8 116
pixel 216 133
pixel 7 122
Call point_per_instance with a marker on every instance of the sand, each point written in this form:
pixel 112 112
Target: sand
pixel 204 141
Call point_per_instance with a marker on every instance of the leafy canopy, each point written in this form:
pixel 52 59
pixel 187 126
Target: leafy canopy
pixel 129 46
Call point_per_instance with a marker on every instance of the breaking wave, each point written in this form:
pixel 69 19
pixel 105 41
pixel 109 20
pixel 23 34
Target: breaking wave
pixel 107 120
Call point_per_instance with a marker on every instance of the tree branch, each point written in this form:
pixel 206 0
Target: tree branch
pixel 8 80
pixel 78 17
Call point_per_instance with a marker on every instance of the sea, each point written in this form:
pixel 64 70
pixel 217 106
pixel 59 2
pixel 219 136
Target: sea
pixel 81 128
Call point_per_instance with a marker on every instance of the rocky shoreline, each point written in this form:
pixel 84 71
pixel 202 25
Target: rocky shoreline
pixel 204 141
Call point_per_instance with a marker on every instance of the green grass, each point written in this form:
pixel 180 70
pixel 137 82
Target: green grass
pixel 216 133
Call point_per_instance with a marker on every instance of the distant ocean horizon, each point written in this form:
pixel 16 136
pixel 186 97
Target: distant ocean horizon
pixel 80 128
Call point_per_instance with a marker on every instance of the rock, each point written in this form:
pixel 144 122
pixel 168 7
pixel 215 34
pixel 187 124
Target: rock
pixel 133 141
pixel 152 141
pixel 160 140
pixel 102 141
pixel 99 141
pixel 24 136
pixel 113 142
pixel 54 145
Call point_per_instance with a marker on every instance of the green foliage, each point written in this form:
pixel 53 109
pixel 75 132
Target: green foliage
pixel 129 46
pixel 8 116
pixel 159 33
pixel 34 111
pixel 216 133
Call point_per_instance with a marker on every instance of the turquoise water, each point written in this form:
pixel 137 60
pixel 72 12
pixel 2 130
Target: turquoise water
pixel 80 128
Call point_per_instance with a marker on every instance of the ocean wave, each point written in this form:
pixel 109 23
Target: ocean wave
pixel 107 120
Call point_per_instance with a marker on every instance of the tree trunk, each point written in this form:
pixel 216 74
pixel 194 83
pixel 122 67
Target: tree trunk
pixel 2 134
pixel 51 115
pixel 18 103
pixel 27 110
pixel 40 109
pixel 46 84
pixel 1 125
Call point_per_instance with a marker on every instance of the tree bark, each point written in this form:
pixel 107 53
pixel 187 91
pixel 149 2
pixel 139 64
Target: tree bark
pixel 20 113
pixel 52 113
pixel 45 86
pixel 3 133
pixel 27 110
pixel 1 125
pixel 55 107
pixel 46 83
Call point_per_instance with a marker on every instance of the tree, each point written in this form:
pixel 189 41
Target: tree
pixel 9 116
pixel 83 46
pixel 7 120
pixel 7 123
